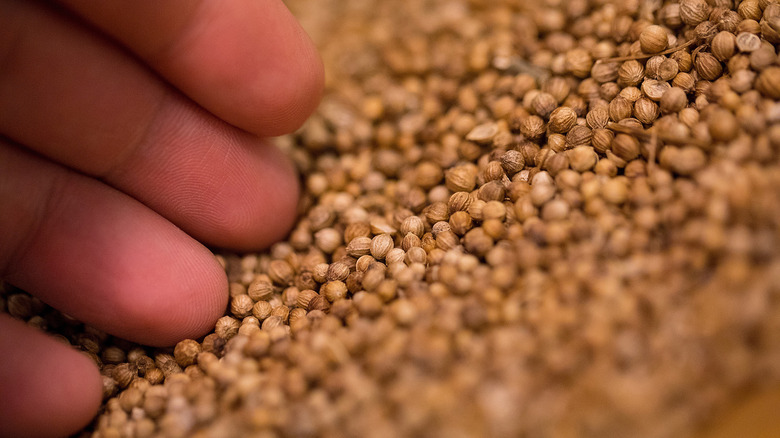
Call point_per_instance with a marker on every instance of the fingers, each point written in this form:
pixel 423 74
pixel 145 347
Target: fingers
pixel 103 257
pixel 107 116
pixel 247 61
pixel 42 379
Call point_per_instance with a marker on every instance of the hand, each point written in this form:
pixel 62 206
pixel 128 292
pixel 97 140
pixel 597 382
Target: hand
pixel 129 132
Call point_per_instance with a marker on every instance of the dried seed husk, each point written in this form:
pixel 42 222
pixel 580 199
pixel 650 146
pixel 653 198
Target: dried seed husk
pixel 653 39
pixel 707 66
pixel 768 82
pixel 693 12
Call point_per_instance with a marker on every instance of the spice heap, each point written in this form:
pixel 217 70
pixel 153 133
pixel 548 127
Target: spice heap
pixel 554 218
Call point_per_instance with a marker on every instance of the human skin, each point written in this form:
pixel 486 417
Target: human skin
pixel 131 136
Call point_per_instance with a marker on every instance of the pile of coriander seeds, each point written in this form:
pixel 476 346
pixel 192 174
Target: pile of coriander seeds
pixel 544 219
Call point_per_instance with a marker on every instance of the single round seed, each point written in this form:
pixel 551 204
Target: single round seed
pixel 653 39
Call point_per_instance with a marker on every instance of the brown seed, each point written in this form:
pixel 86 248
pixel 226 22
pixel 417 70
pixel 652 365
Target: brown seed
pixel 602 139
pixel 334 290
pixel 751 26
pixel 304 297
pixel 261 310
pixel 723 125
pixel 382 244
pixel 226 327
pixel 723 45
pixel 428 174
pixel 512 161
pixel 491 191
pixel 186 352
pixel 544 104
pixel 282 311
pixel 271 323
pixel 693 12
pixel 318 303
pixel 557 87
pixel 625 147
pixel 483 133
pixel 579 62
pixel 620 108
pixel 447 240
pixel 155 376
pixel 763 57
pixel 359 246
pixel 603 72
pixel 582 158
pixel 750 9
pixel 328 240
pixel 653 39
pixel 410 241
pixel 280 272
pixel 532 127
pixel 597 118
pixel 673 100
pixel 436 212
pixel 705 32
pixel 493 171
pixel 631 73
pixel 460 222
pixel 689 160
pixel 357 229
pixel 708 67
pixel 645 110
pixel 337 271
pixel 667 70
pixel 124 373
pixel 655 89
pixel 670 15
pixel 562 119
pixel 748 42
pixel 241 305
pixel 685 81
pixel 461 178
pixel 768 82
pixel 683 59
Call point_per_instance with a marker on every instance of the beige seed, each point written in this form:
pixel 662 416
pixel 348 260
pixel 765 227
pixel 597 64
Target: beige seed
pixel 653 39
pixel 645 110
pixel 186 352
pixel 631 73
pixel 673 100
pixel 226 327
pixel 261 310
pixel 562 119
pixel 241 305
pixel 382 244
pixel 512 162
pixel 625 147
pixel 693 12
pixel 707 66
pixel 655 89
pixel 723 125
pixel 768 82
pixel 723 45
pixel 461 178
pixel 359 246
pixel 582 158
pixel 483 133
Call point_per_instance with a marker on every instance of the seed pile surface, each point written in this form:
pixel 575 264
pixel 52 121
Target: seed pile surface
pixel 553 218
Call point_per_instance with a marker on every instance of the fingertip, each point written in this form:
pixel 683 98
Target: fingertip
pixel 265 74
pixel 261 205
pixel 47 389
pixel 291 94
pixel 178 294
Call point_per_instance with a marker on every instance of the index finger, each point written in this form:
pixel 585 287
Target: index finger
pixel 248 62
